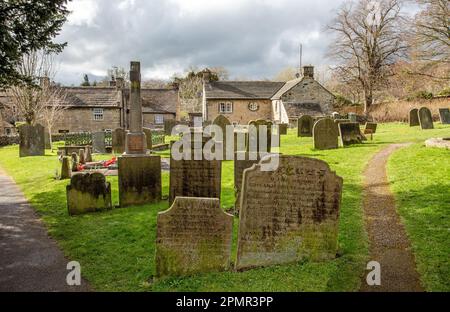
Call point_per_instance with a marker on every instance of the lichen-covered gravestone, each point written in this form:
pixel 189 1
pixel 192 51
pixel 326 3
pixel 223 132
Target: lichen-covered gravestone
pixel 88 192
pixel 118 141
pixel 242 161
pixel 32 140
pixel 88 154
pixel 98 142
pixel 350 133
pixel 444 115
pixel 325 134
pixel 66 168
pixel 413 117
pixel 193 236
pixel 148 137
pixel 425 118
pixel 304 126
pixel 288 214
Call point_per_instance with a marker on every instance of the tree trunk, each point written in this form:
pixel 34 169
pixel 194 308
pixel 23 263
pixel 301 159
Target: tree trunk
pixel 368 100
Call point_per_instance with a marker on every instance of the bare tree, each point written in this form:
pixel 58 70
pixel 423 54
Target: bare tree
pixel 55 97
pixel 367 43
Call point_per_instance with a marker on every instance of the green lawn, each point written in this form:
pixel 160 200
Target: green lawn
pixel 116 248
pixel 420 180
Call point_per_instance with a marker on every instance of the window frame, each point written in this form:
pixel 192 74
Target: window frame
pixel 98 114
pixel 156 119
pixel 227 107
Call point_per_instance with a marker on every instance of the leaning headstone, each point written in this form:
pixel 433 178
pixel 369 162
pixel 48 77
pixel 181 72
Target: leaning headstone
pixel 139 173
pixel 32 140
pixel 444 115
pixel 88 154
pixel 222 122
pixel 304 126
pixel 88 192
pixel 148 137
pixel 325 134
pixel 248 160
pixel 289 214
pixel 352 117
pixel 118 141
pixel 194 178
pixel 82 157
pixel 425 118
pixel 193 236
pixel 66 168
pixel 98 142
pixel 350 133
pixel 414 117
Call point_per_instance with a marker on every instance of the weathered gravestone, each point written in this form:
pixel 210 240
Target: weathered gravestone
pixel 325 134
pixel 66 168
pixel 242 161
pixel 283 128
pixel 139 174
pixel 350 133
pixel 371 128
pixel 240 140
pixel 288 214
pixel 48 145
pixel 255 141
pixel 195 178
pixel 222 122
pixel 98 142
pixel 169 124
pixel 88 154
pixel 193 236
pixel 444 115
pixel 425 118
pixel 74 157
pixel 82 157
pixel 88 192
pixel 304 126
pixel 118 141
pixel 32 140
pixel 413 117
pixel 148 137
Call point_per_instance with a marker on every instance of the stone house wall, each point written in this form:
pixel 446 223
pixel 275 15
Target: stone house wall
pixel 149 119
pixel 82 119
pixel 241 113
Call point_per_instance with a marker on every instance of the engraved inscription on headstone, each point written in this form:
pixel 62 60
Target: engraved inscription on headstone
pixel 288 214
pixel 425 118
pixel 414 117
pixel 193 236
pixel 444 115
pixel 325 134
pixel 304 126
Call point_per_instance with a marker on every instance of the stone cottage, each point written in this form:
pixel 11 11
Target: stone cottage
pixel 6 128
pixel 243 101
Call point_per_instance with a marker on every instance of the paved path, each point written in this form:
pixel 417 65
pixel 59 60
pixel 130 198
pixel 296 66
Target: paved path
pixel 29 259
pixel 389 244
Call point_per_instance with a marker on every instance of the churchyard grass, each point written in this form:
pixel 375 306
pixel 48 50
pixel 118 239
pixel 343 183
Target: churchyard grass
pixel 420 181
pixel 116 248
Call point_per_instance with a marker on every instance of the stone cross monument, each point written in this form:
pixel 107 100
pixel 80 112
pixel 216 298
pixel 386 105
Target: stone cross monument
pixel 136 143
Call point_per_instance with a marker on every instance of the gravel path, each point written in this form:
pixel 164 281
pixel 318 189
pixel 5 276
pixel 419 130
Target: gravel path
pixel 389 244
pixel 29 259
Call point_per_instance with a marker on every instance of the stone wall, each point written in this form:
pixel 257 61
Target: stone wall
pixel 241 113
pixel 310 91
pixel 82 119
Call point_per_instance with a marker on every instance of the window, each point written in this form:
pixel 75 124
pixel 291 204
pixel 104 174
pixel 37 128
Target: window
pixel 98 113
pixel 159 119
pixel 253 106
pixel 8 131
pixel 226 107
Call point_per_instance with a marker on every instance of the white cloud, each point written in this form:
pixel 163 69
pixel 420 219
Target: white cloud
pixel 83 12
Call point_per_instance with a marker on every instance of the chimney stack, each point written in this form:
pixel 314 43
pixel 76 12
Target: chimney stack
pixel 308 71
pixel 120 83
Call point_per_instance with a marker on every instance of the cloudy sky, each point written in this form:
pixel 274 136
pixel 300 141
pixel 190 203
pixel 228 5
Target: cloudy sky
pixel 253 39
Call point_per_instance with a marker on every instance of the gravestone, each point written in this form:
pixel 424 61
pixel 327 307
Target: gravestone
pixel 194 178
pixel 222 122
pixel 444 115
pixel 48 145
pixel 32 140
pixel 169 124
pixel 148 137
pixel 66 168
pixel 74 158
pixel 98 143
pixel 88 154
pixel 254 137
pixel 288 214
pixel 139 180
pixel 248 160
pixel 370 128
pixel 350 133
pixel 414 117
pixel 82 157
pixel 283 129
pixel 304 126
pixel 139 174
pixel 242 136
pixel 325 134
pixel 193 236
pixel 118 141
pixel 88 192
pixel 352 117
pixel 425 118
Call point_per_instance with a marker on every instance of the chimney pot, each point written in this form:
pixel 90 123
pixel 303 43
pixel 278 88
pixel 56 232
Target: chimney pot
pixel 308 71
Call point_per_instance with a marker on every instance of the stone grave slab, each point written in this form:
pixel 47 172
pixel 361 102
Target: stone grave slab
pixel 350 133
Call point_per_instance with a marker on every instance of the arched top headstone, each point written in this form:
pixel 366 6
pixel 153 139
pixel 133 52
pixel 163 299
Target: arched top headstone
pixel 305 124
pixel 413 117
pixel 325 134
pixel 425 118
